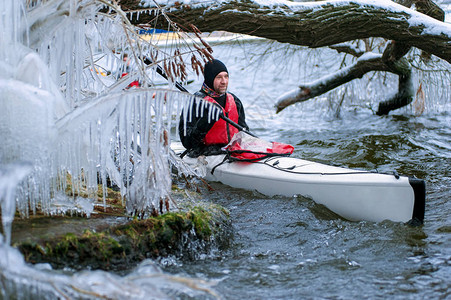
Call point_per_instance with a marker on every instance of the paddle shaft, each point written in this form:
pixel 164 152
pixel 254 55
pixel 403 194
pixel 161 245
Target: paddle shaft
pixel 182 88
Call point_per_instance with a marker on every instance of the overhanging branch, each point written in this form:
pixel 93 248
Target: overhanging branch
pixel 368 62
pixel 318 24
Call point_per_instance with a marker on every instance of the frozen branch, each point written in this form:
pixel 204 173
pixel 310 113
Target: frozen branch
pixel 366 63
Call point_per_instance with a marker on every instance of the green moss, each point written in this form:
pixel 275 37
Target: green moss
pixel 118 246
pixel 201 220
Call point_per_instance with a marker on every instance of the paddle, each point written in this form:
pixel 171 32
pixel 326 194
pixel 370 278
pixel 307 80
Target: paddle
pixel 178 85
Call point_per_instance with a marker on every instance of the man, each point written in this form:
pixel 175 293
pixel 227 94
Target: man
pixel 126 70
pixel 202 136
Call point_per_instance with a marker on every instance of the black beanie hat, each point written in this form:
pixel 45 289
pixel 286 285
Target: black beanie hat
pixel 211 70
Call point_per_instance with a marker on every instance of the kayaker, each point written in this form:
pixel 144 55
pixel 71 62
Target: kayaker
pixel 201 136
pixel 126 70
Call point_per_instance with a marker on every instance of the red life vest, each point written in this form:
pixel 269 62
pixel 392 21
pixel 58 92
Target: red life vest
pixel 133 84
pixel 222 132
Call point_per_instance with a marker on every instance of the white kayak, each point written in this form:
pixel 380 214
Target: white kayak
pixel 354 195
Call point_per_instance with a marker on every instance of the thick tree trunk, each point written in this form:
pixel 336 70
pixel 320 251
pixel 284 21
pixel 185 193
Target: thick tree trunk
pixel 312 24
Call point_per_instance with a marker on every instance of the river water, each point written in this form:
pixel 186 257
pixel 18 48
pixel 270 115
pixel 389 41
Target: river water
pixel 292 248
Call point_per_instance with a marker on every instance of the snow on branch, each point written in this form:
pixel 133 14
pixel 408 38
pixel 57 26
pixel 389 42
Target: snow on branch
pixel 314 24
pixel 366 63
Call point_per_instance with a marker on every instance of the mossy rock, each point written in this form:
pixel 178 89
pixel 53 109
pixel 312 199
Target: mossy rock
pixel 186 234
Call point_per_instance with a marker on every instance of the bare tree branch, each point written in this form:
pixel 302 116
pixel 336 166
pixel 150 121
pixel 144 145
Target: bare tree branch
pixel 365 64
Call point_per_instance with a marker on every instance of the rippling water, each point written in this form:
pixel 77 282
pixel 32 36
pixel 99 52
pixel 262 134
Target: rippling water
pixel 292 248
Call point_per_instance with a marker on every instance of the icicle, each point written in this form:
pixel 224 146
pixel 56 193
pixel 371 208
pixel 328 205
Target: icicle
pixel 123 137
pixel 10 177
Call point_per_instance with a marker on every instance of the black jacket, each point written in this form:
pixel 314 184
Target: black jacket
pixel 197 127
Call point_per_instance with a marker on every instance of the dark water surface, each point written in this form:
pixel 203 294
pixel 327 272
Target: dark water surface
pixel 292 248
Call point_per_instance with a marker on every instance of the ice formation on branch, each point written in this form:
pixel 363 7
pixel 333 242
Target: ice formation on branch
pixel 69 116
pixel 70 113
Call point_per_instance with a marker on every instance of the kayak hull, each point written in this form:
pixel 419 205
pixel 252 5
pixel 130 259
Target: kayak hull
pixel 354 195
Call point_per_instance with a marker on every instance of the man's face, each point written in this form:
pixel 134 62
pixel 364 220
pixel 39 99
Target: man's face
pixel 221 82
